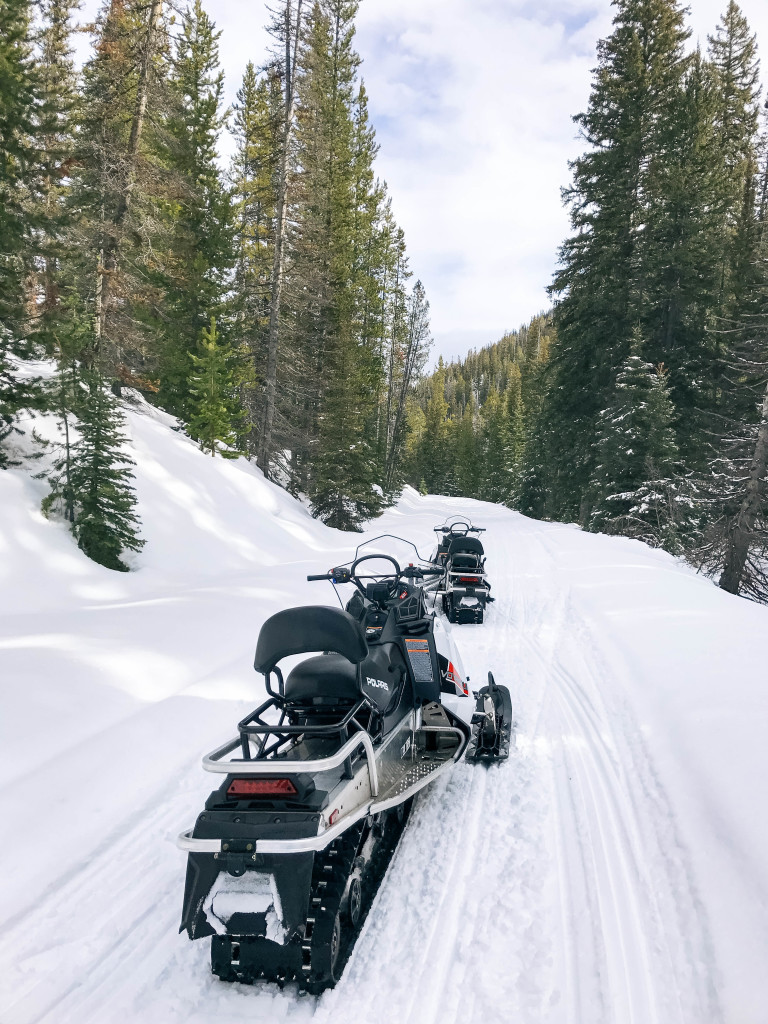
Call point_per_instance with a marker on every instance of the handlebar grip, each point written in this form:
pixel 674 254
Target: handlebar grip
pixel 325 576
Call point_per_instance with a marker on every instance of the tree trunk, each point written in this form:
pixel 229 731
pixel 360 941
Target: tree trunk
pixel 741 535
pixel 278 265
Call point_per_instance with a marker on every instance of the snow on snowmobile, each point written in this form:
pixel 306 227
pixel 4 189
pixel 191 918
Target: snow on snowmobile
pixel 286 858
pixel 463 590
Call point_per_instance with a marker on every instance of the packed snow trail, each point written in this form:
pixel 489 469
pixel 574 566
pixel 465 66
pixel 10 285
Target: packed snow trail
pixel 612 871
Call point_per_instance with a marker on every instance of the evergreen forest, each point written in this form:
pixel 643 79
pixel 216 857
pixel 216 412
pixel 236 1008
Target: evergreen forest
pixel 638 405
pixel 267 301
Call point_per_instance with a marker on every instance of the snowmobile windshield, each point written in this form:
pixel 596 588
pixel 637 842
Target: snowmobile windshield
pixel 404 551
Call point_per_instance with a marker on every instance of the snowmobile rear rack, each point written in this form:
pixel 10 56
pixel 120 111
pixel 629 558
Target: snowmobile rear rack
pixel 254 725
pixel 271 766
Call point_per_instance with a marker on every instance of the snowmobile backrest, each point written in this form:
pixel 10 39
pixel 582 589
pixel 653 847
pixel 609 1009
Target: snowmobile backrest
pixel 468 545
pixel 310 628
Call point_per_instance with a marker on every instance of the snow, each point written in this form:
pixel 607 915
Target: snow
pixel 613 871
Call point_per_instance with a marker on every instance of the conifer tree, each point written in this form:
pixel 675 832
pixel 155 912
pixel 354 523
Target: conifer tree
pixel 197 281
pixel 106 524
pixel 733 56
pixel 464 448
pixel 19 175
pixel 55 138
pixel 116 177
pixel 633 485
pixel 216 414
pixel 287 30
pixel 630 126
pixel 336 220
pixel 409 357
pixel 433 460
pixel 254 171
pixel 496 480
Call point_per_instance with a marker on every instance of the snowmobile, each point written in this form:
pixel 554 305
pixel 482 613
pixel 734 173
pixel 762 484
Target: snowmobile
pixel 287 855
pixel 464 590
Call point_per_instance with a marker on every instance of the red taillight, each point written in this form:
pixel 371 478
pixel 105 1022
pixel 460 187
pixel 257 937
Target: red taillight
pixel 469 579
pixel 261 787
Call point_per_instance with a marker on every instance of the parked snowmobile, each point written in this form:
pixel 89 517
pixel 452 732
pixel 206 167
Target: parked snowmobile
pixel 464 590
pixel 286 857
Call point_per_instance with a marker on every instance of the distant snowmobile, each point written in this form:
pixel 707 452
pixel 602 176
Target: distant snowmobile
pixel 464 590
pixel 286 857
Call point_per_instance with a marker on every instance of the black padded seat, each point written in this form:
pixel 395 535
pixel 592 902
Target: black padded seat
pixel 468 545
pixel 326 675
pixel 465 562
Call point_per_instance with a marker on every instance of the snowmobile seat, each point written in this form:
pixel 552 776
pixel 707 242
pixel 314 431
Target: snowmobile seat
pixel 465 562
pixel 331 676
pixel 306 629
pixel 465 545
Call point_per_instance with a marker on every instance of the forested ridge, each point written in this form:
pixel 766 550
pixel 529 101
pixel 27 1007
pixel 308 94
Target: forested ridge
pixel 646 413
pixel 267 303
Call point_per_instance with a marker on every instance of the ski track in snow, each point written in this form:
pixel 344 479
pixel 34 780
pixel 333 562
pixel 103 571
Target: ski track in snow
pixel 553 888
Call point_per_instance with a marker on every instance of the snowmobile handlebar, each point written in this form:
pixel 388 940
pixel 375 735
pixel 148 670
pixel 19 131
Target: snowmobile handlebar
pixel 348 574
pixel 459 529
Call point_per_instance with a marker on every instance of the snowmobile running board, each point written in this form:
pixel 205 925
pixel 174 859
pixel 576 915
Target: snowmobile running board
pixel 425 774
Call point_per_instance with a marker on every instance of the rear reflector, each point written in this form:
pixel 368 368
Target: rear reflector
pixel 261 787
pixel 469 579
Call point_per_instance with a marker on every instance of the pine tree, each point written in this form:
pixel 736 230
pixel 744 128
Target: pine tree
pixel 72 335
pixel 116 178
pixel 199 273
pixel 496 480
pixel 433 461
pixel 19 174
pixel 106 524
pixel 464 446
pixel 217 416
pixel 633 486
pixel 55 138
pixel 630 126
pixel 287 30
pixel 254 171
pixel 409 357
pixel 336 148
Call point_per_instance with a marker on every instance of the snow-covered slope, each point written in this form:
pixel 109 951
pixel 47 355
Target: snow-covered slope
pixel 615 869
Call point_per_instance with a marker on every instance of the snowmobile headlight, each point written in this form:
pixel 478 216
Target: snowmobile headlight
pixel 261 787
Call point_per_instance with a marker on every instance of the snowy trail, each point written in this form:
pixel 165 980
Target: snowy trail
pixel 560 886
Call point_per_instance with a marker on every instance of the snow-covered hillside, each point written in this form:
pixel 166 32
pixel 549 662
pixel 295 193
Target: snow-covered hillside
pixel 613 871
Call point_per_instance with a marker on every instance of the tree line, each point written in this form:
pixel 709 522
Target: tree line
pixel 648 415
pixel 267 304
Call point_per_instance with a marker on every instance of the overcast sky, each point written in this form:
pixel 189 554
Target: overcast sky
pixel 472 103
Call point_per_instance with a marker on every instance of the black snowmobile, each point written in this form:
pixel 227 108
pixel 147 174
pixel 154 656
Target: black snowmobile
pixel 286 857
pixel 464 590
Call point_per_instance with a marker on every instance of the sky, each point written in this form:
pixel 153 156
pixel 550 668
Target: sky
pixel 472 102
